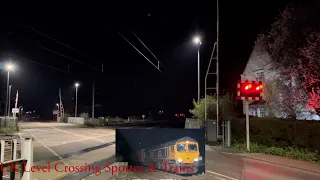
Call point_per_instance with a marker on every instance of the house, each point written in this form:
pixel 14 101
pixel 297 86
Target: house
pixel 259 66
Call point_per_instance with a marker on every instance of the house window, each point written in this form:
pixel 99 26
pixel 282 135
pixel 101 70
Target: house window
pixel 258 75
pixel 172 148
pixel 262 112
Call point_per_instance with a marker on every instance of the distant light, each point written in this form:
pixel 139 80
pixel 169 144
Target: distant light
pixel 9 66
pixel 149 14
pixel 57 104
pixel 76 84
pixel 197 40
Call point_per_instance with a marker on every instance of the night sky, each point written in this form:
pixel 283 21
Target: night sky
pixel 129 85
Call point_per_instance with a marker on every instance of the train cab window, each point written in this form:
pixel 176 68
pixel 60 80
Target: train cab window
pixel 172 148
pixel 192 147
pixel 181 147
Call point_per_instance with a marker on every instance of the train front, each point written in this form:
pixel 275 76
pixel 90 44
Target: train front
pixel 188 156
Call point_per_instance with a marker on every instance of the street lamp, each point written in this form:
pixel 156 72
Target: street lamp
pixel 9 100
pixel 75 111
pixel 9 67
pixel 197 40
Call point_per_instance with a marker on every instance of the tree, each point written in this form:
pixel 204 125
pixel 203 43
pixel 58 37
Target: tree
pixel 293 43
pixel 227 109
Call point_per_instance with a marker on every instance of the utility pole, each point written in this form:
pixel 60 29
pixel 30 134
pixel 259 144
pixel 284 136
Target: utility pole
pixel 93 92
pixel 61 110
pixel 217 70
pixel 6 109
pixel 199 72
pixel 9 97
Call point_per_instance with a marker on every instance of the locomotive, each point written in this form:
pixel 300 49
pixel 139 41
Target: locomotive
pixel 180 156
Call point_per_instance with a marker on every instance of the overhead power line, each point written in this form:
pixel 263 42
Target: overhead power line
pixel 35 62
pixel 140 52
pixel 63 44
pixel 145 46
pixel 57 53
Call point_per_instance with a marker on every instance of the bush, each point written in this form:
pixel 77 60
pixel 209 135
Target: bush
pixel 279 133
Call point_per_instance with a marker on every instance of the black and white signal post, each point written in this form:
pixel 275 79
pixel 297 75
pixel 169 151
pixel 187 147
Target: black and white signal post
pixel 249 91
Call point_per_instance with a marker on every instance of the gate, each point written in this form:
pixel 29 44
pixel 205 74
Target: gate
pixel 10 145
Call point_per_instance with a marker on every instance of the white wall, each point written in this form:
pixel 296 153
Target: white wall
pixel 76 120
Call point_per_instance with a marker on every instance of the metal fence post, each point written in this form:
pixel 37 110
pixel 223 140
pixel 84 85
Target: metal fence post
pixel 2 144
pixel 14 143
pixel 229 133
pixel 27 154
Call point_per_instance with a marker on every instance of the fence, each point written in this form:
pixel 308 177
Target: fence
pixel 24 162
pixel 192 123
pixel 6 122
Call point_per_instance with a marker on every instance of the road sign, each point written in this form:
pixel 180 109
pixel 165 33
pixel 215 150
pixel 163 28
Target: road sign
pixel 15 110
pixel 249 90
pixel 55 112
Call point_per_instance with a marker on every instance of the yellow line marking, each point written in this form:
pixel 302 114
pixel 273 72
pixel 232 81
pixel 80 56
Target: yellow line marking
pixel 221 175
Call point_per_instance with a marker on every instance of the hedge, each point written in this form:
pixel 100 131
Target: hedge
pixel 274 132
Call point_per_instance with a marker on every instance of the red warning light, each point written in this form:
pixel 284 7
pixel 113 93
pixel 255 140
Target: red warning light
pixel 247 86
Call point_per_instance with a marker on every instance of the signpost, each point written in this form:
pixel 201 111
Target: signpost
pixel 15 110
pixel 249 91
pixel 55 112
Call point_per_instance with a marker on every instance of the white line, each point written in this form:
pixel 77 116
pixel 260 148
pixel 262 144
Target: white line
pixel 56 154
pixel 221 175
pixel 75 134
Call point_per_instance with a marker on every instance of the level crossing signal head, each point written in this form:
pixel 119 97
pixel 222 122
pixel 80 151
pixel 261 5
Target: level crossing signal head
pixel 249 90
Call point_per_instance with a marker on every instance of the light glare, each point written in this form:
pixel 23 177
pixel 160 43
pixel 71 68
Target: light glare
pixel 197 40
pixel 9 66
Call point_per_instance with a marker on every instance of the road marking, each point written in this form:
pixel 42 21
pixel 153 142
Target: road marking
pixel 75 134
pixel 221 175
pixel 56 154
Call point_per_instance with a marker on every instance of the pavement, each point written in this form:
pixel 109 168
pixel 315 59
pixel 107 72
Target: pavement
pixel 75 145
pixel 265 167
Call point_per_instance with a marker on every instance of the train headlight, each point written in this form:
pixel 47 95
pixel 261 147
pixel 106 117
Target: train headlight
pixel 179 160
pixel 196 159
pixel 200 158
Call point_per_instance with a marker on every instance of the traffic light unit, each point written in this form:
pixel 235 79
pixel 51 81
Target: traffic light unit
pixel 249 90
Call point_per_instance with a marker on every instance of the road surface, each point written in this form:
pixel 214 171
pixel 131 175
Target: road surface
pixel 75 145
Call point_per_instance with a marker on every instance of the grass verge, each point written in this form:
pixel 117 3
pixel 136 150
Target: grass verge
pixel 8 130
pixel 289 152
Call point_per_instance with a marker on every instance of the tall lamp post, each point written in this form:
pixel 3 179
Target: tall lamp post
pixel 9 97
pixel 197 40
pixel 76 108
pixel 9 67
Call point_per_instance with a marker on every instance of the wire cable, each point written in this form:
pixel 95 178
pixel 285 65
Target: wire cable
pixel 145 46
pixel 63 44
pixel 139 52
